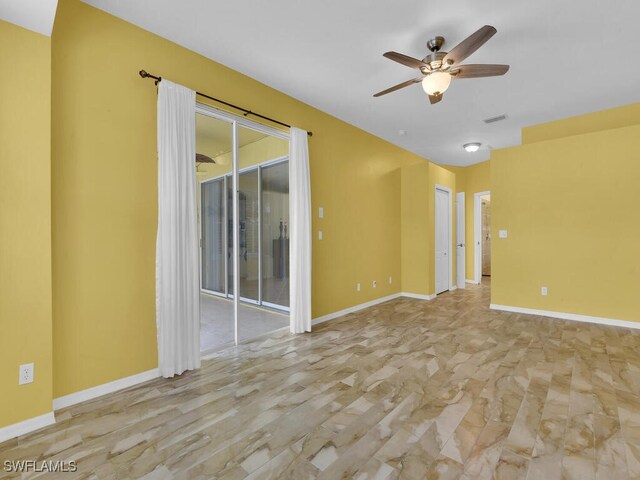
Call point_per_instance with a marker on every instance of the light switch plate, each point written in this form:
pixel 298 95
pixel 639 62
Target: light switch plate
pixel 321 212
pixel 502 234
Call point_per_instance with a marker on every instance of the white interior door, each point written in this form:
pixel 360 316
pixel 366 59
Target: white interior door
pixel 442 240
pixel 460 245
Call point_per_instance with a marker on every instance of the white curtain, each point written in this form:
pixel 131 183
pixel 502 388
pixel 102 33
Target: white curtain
pixel 177 284
pixel 300 232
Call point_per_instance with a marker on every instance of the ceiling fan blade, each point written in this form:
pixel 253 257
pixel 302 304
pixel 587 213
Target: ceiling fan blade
pixel 477 71
pixel 399 86
pixel 202 158
pixel 435 98
pixel 469 45
pixel 405 60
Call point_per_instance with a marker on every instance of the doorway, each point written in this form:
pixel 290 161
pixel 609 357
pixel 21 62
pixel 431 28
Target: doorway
pixel 482 234
pixel 460 241
pixel 443 229
pixel 237 155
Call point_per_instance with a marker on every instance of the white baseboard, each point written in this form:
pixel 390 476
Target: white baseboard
pixel 105 388
pixel 362 306
pixel 471 281
pixel 26 426
pixel 568 316
pixel 355 308
pixel 419 296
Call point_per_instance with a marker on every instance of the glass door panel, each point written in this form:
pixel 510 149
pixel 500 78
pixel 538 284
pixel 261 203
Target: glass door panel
pixel 249 236
pixel 275 234
pixel 214 157
pixel 256 150
pixel 230 235
pixel 213 235
pixel 214 143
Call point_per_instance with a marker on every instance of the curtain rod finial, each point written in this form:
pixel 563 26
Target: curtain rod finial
pixel 143 73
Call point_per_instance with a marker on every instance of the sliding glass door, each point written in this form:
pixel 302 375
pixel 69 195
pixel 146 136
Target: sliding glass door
pixel 257 158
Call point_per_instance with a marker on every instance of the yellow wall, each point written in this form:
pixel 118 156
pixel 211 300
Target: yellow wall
pixel 570 206
pixel 104 206
pixel 592 122
pixel 416 242
pixel 25 221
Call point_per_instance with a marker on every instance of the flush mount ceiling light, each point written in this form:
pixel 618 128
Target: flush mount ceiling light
pixel 472 147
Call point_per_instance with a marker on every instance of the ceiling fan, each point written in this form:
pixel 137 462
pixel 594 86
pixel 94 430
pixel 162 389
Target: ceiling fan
pixel 438 68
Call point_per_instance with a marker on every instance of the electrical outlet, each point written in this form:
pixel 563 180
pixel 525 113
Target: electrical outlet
pixel 320 235
pixel 357 287
pixel 543 291
pixel 390 280
pixel 26 374
pixel 375 284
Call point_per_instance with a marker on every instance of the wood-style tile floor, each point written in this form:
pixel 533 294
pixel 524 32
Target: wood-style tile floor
pixel 407 389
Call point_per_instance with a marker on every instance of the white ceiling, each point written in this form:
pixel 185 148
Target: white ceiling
pixel 567 57
pixel 35 15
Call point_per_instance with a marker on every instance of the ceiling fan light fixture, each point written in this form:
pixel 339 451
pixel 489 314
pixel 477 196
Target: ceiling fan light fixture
pixel 472 147
pixel 436 83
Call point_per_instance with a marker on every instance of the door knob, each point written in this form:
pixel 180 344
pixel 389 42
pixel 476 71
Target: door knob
pixel 461 244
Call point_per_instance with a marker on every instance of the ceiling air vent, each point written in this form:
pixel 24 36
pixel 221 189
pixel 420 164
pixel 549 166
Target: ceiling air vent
pixel 497 118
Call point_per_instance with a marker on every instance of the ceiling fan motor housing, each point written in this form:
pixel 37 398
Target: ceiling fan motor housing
pixel 434 60
pixel 435 44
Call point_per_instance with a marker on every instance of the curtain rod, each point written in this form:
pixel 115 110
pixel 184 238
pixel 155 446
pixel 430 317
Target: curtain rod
pixel 145 74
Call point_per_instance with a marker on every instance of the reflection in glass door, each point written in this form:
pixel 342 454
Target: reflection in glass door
pixel 275 234
pixel 213 236
pixel 264 185
pixel 263 207
pixel 229 265
pixel 249 236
